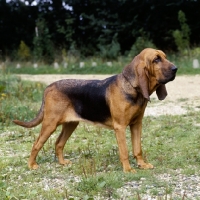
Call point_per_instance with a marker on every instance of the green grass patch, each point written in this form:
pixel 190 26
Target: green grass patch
pixel 170 143
pixel 184 63
pixel 18 99
pixel 72 68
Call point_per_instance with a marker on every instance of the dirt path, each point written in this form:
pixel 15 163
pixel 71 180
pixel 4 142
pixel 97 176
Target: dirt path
pixel 183 92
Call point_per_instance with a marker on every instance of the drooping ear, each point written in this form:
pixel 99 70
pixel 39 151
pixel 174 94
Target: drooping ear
pixel 137 68
pixel 161 92
pixel 143 80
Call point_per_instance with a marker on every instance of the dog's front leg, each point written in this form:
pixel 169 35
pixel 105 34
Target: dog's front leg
pixel 136 132
pixel 123 150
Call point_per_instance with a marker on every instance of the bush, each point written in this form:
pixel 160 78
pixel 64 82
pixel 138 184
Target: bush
pixel 182 37
pixel 24 52
pixel 43 46
pixel 141 43
pixel 111 51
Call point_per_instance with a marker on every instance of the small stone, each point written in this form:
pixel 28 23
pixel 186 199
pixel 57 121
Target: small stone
pixel 56 65
pixel 109 64
pixel 94 64
pixel 65 65
pixel 81 64
pixel 35 65
pixel 195 63
pixel 18 66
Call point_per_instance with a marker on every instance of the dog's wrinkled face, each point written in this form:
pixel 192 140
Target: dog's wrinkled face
pixel 158 66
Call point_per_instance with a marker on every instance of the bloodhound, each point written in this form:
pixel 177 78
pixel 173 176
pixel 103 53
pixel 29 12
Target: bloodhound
pixel 116 102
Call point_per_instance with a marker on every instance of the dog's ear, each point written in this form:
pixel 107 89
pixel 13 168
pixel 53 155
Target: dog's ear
pixel 161 92
pixel 143 80
pixel 137 68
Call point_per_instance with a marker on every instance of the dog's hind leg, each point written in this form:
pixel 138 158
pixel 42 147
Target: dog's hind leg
pixel 47 129
pixel 67 130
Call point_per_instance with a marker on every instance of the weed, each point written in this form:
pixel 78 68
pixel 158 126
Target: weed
pixel 16 96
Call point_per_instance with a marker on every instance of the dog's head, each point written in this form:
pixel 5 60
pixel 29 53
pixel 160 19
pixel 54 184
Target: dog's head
pixel 152 71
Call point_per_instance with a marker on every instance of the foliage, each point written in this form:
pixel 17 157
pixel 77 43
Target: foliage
pixel 110 51
pixel 182 37
pixel 12 91
pixel 195 52
pixel 141 43
pixel 67 30
pixel 43 46
pixel 24 52
pixel 91 25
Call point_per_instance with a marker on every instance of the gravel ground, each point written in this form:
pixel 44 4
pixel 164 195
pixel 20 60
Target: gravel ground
pixel 179 186
pixel 183 187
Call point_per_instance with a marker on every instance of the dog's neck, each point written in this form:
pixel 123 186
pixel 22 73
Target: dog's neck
pixel 128 80
pixel 153 84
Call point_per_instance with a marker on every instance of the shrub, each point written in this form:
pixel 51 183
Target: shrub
pixel 182 36
pixel 43 46
pixel 110 51
pixel 141 43
pixel 24 52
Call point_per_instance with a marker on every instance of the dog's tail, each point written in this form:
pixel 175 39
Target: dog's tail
pixel 33 122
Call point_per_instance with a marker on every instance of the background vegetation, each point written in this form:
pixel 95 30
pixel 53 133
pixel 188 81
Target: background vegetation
pixel 64 30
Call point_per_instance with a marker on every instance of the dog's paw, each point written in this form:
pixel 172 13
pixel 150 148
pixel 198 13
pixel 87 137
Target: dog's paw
pixel 66 162
pixel 145 166
pixel 33 166
pixel 130 171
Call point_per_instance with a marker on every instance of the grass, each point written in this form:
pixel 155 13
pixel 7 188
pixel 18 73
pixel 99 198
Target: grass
pixel 170 143
pixel 16 96
pixel 72 68
pixel 184 63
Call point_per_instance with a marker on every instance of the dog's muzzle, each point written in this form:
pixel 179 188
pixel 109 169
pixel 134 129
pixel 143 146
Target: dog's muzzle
pixel 174 69
pixel 170 75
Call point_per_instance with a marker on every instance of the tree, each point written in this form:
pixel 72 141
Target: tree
pixel 97 26
pixel 43 45
pixel 182 37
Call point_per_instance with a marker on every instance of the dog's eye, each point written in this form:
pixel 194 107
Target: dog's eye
pixel 157 59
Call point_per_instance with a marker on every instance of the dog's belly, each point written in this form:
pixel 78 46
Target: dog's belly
pixel 107 124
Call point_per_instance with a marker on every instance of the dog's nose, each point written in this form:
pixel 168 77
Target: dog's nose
pixel 174 68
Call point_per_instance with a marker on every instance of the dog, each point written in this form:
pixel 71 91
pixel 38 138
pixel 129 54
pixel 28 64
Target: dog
pixel 115 102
